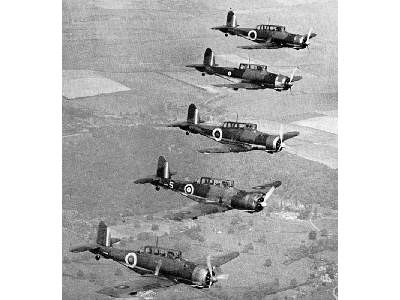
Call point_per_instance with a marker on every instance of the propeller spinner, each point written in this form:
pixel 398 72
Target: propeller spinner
pixel 214 278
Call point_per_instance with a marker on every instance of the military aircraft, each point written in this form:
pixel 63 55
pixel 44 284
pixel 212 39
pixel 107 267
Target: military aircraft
pixel 235 136
pixel 159 267
pixel 267 36
pixel 253 76
pixel 214 191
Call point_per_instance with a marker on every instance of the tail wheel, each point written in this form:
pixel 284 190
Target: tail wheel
pixel 189 189
pixel 252 35
pixel 131 259
pixel 217 134
pixel 97 257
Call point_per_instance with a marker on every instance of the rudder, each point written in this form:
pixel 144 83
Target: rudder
pixel 209 59
pixel 193 114
pixel 231 19
pixel 162 168
pixel 103 235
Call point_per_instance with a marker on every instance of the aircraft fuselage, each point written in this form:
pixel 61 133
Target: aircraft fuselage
pixel 264 78
pixel 172 267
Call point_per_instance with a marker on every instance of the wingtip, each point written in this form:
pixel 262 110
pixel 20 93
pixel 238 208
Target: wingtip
pixel 277 183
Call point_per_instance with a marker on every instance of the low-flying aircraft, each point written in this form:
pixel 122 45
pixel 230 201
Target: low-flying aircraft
pixel 159 267
pixel 253 76
pixel 207 190
pixel 266 36
pixel 235 136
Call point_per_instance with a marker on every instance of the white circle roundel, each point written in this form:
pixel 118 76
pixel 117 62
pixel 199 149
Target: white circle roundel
pixel 131 259
pixel 217 134
pixel 252 35
pixel 189 189
pixel 229 73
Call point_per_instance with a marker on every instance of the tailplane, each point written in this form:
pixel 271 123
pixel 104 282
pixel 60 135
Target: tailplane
pixel 104 236
pixel 103 239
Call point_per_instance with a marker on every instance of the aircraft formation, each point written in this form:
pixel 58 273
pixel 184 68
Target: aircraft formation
pixel 160 267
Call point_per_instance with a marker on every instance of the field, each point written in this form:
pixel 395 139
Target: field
pixel 124 76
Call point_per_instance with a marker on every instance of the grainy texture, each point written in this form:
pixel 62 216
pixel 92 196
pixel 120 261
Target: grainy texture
pixel 131 57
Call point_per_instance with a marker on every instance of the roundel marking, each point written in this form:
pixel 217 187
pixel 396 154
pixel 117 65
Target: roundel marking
pixel 131 259
pixel 189 189
pixel 229 73
pixel 252 35
pixel 217 134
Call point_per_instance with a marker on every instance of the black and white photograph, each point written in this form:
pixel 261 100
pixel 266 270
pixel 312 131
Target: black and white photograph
pixel 199 149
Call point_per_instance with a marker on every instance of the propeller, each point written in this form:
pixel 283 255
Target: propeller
pixel 214 278
pixel 290 83
pixel 282 145
pixel 307 41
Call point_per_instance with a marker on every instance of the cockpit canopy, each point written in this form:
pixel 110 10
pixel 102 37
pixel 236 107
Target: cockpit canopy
pixel 249 126
pixel 253 67
pixel 271 27
pixel 170 253
pixel 216 181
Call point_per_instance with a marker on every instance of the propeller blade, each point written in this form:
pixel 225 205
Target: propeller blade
pixel 308 36
pixel 209 269
pixel 292 75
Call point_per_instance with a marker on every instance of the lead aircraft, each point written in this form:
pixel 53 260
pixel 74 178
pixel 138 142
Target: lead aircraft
pixel 159 267
pixel 266 36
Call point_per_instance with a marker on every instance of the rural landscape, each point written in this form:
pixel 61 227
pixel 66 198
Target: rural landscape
pixel 124 78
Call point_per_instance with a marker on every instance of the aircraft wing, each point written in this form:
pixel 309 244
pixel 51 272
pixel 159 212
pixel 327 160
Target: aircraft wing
pixel 240 85
pixel 266 45
pixel 217 261
pixel 195 211
pixel 289 135
pixel 226 149
pixel 142 284
pixel 266 187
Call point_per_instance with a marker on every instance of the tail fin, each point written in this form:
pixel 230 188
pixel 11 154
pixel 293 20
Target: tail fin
pixel 209 59
pixel 162 168
pixel 104 236
pixel 231 19
pixel 193 114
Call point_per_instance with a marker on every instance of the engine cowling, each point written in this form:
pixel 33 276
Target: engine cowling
pixel 273 143
pixel 250 201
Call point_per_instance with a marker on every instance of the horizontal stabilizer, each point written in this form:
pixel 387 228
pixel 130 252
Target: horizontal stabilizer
pixel 83 248
pixel 195 66
pixel 146 180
